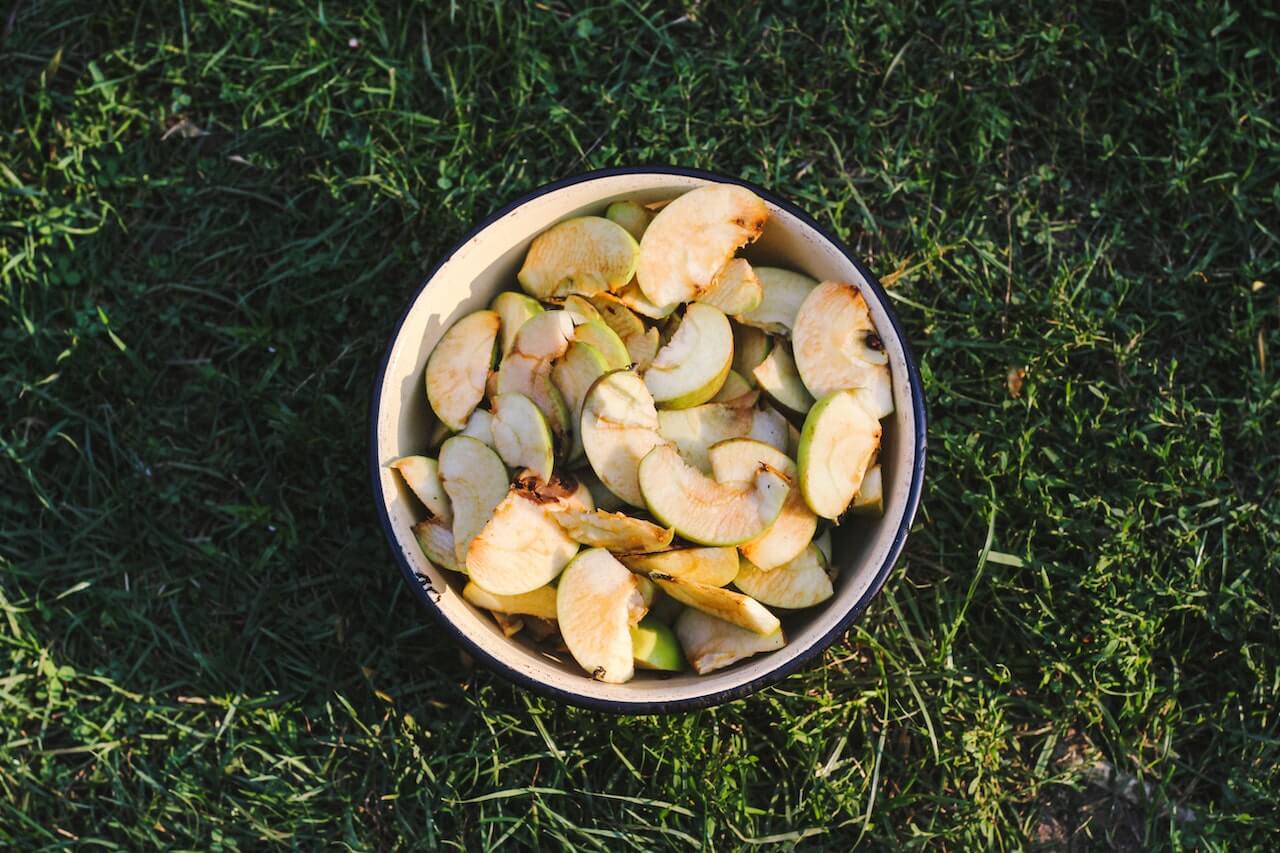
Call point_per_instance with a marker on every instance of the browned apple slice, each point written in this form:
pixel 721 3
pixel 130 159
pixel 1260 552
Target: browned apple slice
pixel 738 459
pixel 709 566
pixel 710 643
pixel 614 531
pixel 802 582
pixel 584 255
pixel 597 603
pixel 458 367
pixel 721 603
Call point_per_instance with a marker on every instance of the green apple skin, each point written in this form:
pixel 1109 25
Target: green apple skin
pixel 631 216
pixel 693 365
pixel 654 646
pixel 837 445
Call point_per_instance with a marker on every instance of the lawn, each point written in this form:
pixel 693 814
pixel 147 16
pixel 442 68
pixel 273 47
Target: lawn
pixel 211 216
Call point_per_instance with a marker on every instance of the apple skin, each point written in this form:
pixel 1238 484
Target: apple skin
pixel 692 367
pixel 837 445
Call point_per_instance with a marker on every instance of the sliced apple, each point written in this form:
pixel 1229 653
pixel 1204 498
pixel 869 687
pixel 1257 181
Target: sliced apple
pixel 513 309
pixel 836 346
pixel 583 255
pixel 654 646
pixel 769 427
pixel 737 459
pixel 734 607
pixel 521 547
pixel 439 432
pixel 691 239
pixel 458 367
pixel 564 492
pixel 633 297
pixel 422 476
pixel 540 602
pixel 691 368
pixel 574 374
pixel 750 347
pixel 735 289
pixel 510 625
pixel 695 429
pixel 597 603
pixel 435 538
pixel 521 435
pixel 619 426
pixel 783 292
pixel 870 497
pixel 823 543
pixel 598 334
pixel 527 368
pixel 837 445
pixel 710 643
pixel 777 376
pixel 793 440
pixel 580 309
pixel 480 427
pixel 630 215
pixel 709 566
pixel 734 387
pixel 617 316
pixel 703 510
pixel 643 349
pixel 802 582
pixel 648 590
pixel 614 531
pixel 475 480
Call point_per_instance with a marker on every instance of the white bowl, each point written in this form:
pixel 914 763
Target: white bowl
pixel 485 263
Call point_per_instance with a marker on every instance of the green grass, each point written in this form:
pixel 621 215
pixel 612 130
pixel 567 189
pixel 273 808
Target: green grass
pixel 211 216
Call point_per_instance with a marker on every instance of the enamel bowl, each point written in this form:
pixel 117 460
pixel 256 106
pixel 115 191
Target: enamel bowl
pixel 485 262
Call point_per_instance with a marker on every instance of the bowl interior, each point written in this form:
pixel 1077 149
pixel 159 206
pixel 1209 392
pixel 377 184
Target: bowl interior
pixel 485 265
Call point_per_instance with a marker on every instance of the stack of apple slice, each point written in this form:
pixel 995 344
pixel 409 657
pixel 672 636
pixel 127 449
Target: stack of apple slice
pixel 639 456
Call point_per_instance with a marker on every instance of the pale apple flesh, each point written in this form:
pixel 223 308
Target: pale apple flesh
pixel 835 343
pixel 777 376
pixel 513 309
pixel 598 334
pixel 614 531
pixel 579 308
pixel 480 427
pixel 540 602
pixel 619 427
pixel 735 288
pixel 733 607
pixel 597 603
pixel 691 239
pixel 475 480
pixel 458 367
pixel 695 429
pixel 791 533
pixel 734 387
pixel 573 375
pixel 710 644
pixel 783 293
pixel 527 368
pixel 422 475
pixel 802 582
pixel 769 427
pixel 520 548
pixel 521 434
pixel 435 538
pixel 837 446
pixel 708 566
pixel 584 255
pixel 870 497
pixel 703 510
pixel 693 365
pixel 633 297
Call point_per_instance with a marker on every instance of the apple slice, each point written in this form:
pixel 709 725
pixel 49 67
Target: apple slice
pixel 583 255
pixel 606 341
pixel 435 538
pixel 734 607
pixel 734 387
pixel 710 643
pixel 630 215
pixel 475 480
pixel 793 440
pixel 458 367
pixel 737 459
pixel 823 543
pixel 750 348
pixel 422 475
pixel 695 429
pixel 480 427
pixel 633 297
pixel 521 435
pixel 614 531
pixel 513 309
pixel 579 309
pixel 574 374
pixel 691 239
pixel 654 646
pixel 703 510
pixel 564 492
pixel 527 368
pixel 784 291
pixel 643 348
pixel 521 548
pixel 735 288
pixel 617 316
pixel 837 445
pixel 777 376
pixel 769 427
pixel 540 602
pixel 597 603
pixel 691 368
pixel 803 582
pixel 870 497
pixel 619 426
pixel 709 566
pixel 836 345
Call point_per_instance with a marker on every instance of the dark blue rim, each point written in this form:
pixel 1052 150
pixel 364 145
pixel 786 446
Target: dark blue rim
pixel 720 696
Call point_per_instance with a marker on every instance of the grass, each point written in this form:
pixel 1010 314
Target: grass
pixel 211 215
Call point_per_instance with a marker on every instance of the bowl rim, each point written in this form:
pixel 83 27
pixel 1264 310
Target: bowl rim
pixel 707 700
